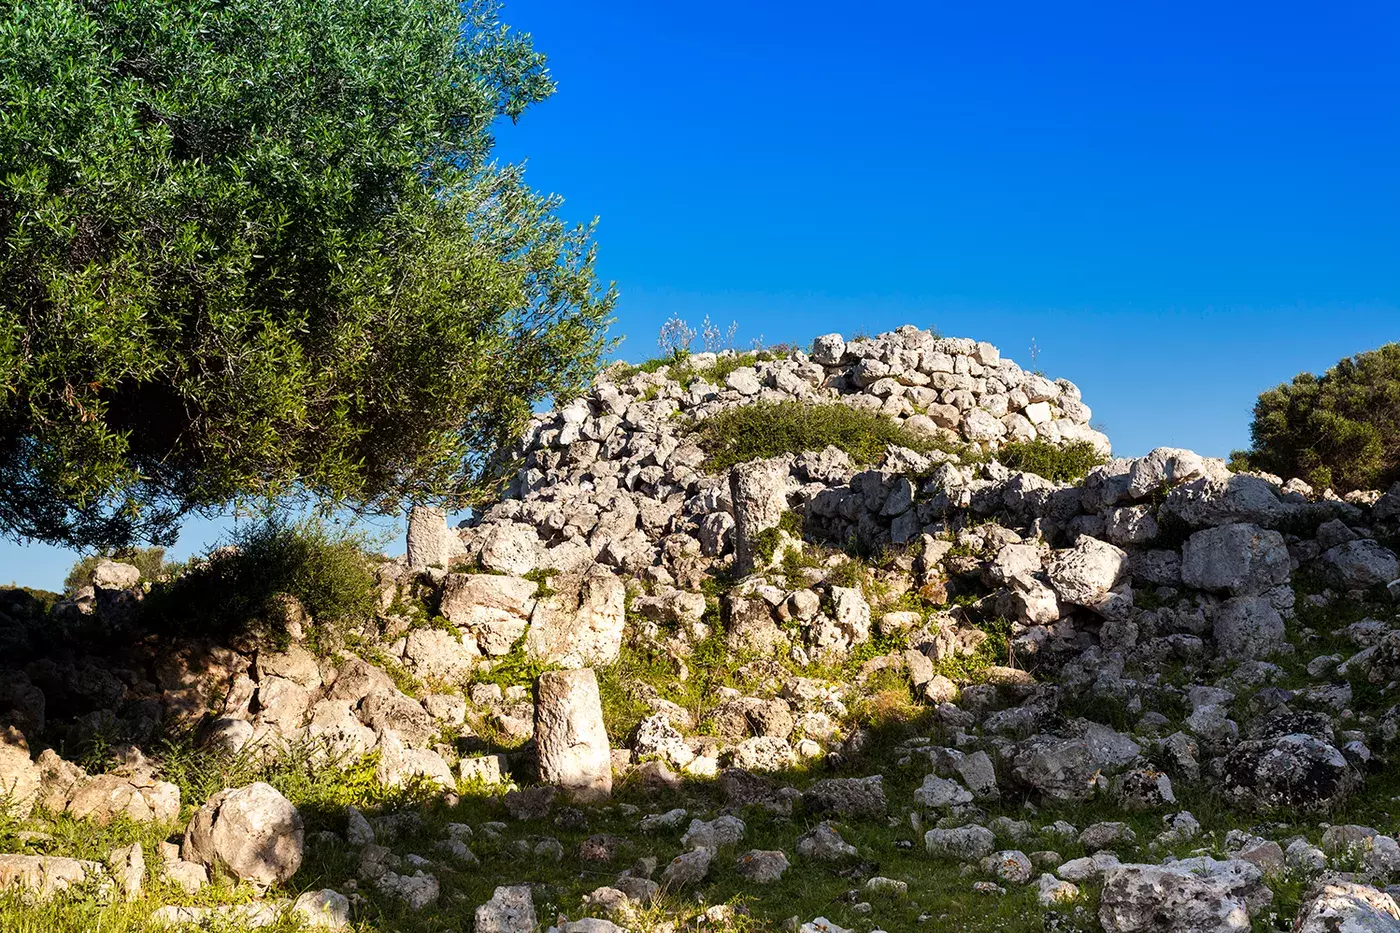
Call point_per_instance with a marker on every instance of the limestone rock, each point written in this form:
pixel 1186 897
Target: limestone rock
pixel 252 832
pixel 761 866
pixel 1201 895
pixel 430 542
pixel 573 743
pixel 43 875
pixel 1361 564
pixel 1241 559
pixel 510 910
pixel 1085 574
pixel 758 490
pixel 966 843
pixel 582 623
pixel 1347 907
pixel 1248 628
pixel 19 776
pixel 326 909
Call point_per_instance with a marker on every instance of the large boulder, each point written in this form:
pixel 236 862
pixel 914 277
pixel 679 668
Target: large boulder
pixel 19 776
pixel 1295 772
pixel 437 654
pixel 252 833
pixel 1347 907
pixel 573 743
pixel 511 548
pixel 114 575
pixel 135 795
pixel 494 608
pixel 1361 565
pixel 1163 468
pixel 1240 559
pixel 1059 768
pixel 1248 627
pixel 44 876
pixel 581 624
pixel 1197 895
pixel 1084 574
pixel 1220 497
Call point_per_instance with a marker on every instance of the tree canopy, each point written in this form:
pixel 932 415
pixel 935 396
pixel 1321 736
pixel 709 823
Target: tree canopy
pixel 1341 429
pixel 255 249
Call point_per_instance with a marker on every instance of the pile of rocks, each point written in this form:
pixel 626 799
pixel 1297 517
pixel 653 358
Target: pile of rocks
pixel 1147 621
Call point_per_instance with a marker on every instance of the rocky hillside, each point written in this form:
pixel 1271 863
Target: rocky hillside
pixel 661 686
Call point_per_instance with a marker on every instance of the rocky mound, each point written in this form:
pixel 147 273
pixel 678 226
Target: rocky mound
pixel 1127 702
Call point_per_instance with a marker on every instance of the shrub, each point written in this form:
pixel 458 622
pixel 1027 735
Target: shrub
pixel 149 560
pixel 1341 429
pixel 768 429
pixel 1062 463
pixel 235 587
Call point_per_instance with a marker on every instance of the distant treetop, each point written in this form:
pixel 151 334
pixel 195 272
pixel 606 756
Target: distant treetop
pixel 1341 429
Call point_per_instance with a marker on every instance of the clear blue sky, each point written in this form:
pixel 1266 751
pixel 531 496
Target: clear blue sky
pixel 1182 205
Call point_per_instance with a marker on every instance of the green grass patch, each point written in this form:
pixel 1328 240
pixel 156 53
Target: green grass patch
pixel 769 429
pixel 1062 463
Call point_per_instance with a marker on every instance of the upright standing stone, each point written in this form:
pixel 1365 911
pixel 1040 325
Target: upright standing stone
pixel 430 542
pixel 573 744
pixel 758 490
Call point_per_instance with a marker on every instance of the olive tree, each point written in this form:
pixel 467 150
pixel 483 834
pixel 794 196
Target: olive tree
pixel 258 249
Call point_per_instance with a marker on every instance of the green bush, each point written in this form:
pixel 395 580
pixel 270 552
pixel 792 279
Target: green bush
pixel 236 586
pixel 1062 463
pixel 768 429
pixel 1341 429
pixel 149 560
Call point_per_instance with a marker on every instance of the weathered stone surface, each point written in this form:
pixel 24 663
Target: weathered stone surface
pixel 114 575
pixel 1061 769
pixel 967 843
pixel 494 608
pixel 1240 559
pixel 761 866
pixel 19 776
pixel 582 623
pixel 253 833
pixel 136 796
pixel 430 542
pixel 1248 627
pixel 823 843
pixel 511 909
pixel 400 764
pixel 573 743
pixel 1085 574
pixel 1361 564
pixel 45 875
pixel 1295 772
pixel 688 868
pixel 758 490
pixel 1200 895
pixel 1347 907
pixel 848 797
pixel 326 909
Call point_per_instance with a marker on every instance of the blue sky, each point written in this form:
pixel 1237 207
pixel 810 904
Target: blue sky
pixel 1182 205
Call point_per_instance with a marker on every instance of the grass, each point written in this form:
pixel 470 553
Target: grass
pixel 680 366
pixel 769 429
pixel 1060 463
